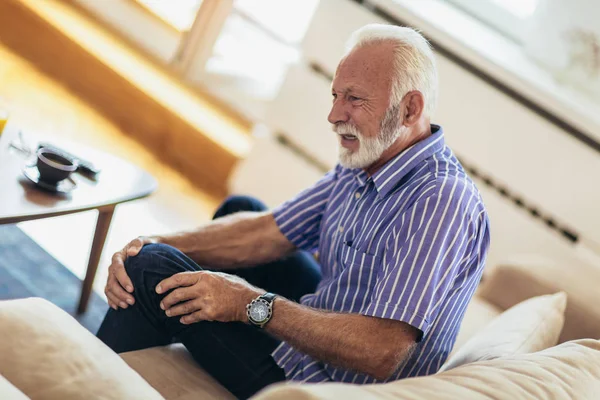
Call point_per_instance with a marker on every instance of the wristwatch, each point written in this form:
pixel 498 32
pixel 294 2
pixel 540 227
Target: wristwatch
pixel 260 310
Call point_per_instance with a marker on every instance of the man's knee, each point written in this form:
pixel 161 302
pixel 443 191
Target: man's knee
pixel 156 262
pixel 149 258
pixel 239 203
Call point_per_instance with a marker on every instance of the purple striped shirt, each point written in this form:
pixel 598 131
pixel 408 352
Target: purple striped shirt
pixel 408 243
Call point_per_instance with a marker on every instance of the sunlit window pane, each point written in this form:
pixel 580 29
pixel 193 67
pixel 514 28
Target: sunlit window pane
pixel 520 8
pixel 245 54
pixel 178 13
pixel 286 19
pixel 259 41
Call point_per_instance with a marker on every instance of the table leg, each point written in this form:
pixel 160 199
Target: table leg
pixel 104 218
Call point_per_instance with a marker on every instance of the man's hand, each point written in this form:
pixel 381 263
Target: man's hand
pixel 207 296
pixel 118 285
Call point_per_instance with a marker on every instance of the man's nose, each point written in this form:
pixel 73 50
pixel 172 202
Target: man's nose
pixel 338 112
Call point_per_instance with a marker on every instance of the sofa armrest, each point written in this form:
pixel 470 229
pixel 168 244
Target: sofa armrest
pixel 527 276
pixel 47 354
pixel 565 372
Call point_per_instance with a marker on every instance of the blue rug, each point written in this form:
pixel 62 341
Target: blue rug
pixel 27 270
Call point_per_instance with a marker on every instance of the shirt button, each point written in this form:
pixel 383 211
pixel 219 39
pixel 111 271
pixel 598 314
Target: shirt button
pixel 341 229
pixel 357 195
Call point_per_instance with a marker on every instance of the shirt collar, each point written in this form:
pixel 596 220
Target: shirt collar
pixel 388 177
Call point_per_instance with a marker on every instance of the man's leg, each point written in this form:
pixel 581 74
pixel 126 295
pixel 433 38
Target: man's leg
pixel 237 355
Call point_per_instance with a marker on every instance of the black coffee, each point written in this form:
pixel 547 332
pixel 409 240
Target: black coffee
pixel 57 159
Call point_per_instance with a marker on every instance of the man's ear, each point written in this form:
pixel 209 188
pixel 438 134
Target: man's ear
pixel 413 105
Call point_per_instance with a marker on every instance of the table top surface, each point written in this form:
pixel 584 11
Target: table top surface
pixel 20 199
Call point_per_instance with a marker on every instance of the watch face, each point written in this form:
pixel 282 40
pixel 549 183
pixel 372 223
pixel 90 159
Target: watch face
pixel 259 311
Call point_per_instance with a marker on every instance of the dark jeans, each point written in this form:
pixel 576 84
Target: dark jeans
pixel 236 354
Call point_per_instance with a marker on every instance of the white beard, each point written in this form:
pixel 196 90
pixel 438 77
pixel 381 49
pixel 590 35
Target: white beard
pixel 369 149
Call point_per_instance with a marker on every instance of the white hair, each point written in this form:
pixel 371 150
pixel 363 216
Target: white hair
pixel 414 64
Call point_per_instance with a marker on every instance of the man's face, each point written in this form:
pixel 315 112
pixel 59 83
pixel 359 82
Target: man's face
pixel 361 114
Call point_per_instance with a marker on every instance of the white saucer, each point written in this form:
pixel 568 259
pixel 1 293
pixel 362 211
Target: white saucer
pixel 65 186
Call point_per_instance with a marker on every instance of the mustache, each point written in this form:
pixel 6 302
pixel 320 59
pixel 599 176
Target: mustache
pixel 344 128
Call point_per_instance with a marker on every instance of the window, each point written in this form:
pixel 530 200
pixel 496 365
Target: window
pixel 238 50
pixel 507 16
pixel 179 14
pixel 259 41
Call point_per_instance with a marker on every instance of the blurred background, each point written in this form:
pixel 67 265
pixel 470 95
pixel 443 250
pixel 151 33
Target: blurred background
pixel 153 81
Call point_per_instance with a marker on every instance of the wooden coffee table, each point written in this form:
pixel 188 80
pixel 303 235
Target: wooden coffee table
pixel 21 200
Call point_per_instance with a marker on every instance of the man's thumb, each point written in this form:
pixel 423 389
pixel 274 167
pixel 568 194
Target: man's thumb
pixel 135 247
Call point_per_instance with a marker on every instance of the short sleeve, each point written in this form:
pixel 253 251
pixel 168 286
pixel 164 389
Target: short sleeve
pixel 424 257
pixel 299 219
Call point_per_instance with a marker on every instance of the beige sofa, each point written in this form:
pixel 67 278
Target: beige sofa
pixel 174 375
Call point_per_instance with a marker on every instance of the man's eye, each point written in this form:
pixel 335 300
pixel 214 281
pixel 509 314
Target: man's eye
pixel 353 98
pixel 334 95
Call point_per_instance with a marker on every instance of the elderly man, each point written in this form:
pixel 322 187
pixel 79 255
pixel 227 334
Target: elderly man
pixel 401 233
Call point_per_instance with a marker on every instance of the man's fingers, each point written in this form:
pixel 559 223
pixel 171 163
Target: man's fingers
pixel 114 287
pixel 177 280
pixel 183 308
pixel 193 318
pixel 113 301
pixel 134 247
pixel 123 279
pixel 118 259
pixel 177 296
pixel 119 285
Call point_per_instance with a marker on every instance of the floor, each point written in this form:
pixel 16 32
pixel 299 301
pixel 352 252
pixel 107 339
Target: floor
pixel 37 103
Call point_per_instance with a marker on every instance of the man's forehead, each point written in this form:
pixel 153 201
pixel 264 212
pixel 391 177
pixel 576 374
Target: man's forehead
pixel 345 86
pixel 365 67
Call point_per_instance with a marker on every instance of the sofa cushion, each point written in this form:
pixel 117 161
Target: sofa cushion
pixel 47 354
pixel 9 392
pixel 172 371
pixel 479 313
pixel 530 326
pixel 565 372
pixel 527 276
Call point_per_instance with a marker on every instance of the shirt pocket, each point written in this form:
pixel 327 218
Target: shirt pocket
pixel 351 256
pixel 356 279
